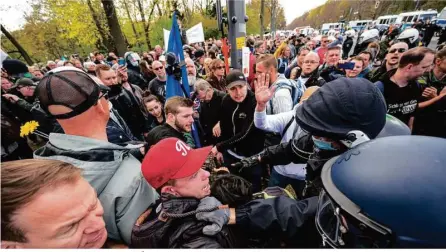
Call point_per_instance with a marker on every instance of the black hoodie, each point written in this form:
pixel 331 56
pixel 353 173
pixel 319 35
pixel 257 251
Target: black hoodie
pixel 238 132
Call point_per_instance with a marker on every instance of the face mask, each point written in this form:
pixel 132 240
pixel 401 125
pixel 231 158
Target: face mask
pixel 323 145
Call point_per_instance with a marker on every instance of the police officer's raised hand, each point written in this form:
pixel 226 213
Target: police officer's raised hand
pixel 263 92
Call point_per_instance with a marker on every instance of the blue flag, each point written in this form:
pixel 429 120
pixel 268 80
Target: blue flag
pixel 174 87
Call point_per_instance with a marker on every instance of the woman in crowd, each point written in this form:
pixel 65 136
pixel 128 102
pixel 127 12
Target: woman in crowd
pixel 283 60
pixel 155 108
pixel 217 75
pixel 359 65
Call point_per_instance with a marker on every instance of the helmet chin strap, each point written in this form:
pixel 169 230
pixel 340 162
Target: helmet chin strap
pixel 354 138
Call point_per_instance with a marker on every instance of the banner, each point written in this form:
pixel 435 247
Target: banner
pixel 245 61
pixel 195 34
pixel 166 38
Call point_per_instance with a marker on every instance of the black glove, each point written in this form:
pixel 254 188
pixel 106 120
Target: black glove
pixel 247 162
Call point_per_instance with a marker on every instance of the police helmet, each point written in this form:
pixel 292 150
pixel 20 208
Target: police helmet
pixel 368 36
pixel 350 33
pixel 342 106
pixel 410 36
pixel 132 59
pixel 389 192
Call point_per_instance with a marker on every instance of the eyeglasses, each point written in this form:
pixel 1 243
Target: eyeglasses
pixel 400 50
pixel 158 68
pixel 310 62
pixel 220 67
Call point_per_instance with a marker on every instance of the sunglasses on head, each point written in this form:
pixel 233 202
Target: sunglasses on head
pixel 400 50
pixel 158 68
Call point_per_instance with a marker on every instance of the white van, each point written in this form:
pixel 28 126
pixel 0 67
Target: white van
pixel 407 19
pixel 388 19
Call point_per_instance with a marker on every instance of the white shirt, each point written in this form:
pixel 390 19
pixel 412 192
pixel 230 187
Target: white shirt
pixel 277 123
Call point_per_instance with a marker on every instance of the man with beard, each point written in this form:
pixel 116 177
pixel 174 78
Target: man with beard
pixel 391 62
pixel 192 74
pixel 179 120
pixel 157 86
pixel 400 88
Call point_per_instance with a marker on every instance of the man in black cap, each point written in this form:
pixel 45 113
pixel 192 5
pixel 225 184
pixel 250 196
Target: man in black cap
pixel 338 116
pixel 199 56
pixel 81 107
pixel 239 137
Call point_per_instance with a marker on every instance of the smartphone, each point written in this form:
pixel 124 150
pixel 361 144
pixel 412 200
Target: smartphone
pixel 347 65
pixel 121 62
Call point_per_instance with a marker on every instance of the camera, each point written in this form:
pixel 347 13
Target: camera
pixel 173 66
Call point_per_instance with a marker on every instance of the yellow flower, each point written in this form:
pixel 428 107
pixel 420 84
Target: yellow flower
pixel 28 128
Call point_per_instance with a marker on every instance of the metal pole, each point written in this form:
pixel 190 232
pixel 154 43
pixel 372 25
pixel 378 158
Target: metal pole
pixel 237 30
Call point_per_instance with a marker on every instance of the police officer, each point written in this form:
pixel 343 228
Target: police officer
pixel 340 115
pixel 371 201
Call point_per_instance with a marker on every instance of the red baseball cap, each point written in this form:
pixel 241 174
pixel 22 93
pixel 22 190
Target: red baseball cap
pixel 172 158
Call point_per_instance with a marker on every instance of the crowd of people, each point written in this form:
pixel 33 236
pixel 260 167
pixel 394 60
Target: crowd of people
pixel 113 162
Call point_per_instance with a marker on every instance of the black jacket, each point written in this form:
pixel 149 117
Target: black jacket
pixel 129 107
pixel 215 83
pixel 280 218
pixel 347 46
pixel 135 77
pixel 238 132
pixel 377 73
pixel 185 232
pixel 158 88
pixel 163 131
pixel 209 116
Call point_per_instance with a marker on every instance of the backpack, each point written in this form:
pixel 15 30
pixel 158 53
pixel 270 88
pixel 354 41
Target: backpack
pixel 296 89
pixel 280 64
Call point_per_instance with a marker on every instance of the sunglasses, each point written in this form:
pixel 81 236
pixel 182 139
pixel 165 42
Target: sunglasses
pixel 158 68
pixel 400 50
pixel 220 67
pixel 324 41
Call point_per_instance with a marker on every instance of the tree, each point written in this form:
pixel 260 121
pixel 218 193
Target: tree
pixel 104 39
pixel 17 45
pixel 115 28
pixel 262 15
pixel 146 24
pixel 126 7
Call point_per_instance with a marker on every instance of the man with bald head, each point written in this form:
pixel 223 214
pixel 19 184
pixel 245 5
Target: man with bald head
pixel 310 74
pixel 157 86
pixel 391 61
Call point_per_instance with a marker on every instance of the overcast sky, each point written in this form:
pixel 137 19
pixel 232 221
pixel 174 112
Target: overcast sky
pixel 11 11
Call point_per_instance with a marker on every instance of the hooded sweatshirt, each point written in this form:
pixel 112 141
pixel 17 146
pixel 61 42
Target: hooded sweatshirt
pixel 112 171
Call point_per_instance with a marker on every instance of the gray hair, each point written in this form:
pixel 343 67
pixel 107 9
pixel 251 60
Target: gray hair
pixel 202 85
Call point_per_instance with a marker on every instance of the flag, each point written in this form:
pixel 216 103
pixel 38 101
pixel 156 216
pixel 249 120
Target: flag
pixel 173 86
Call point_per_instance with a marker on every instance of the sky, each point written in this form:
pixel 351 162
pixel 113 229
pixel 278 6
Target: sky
pixel 11 11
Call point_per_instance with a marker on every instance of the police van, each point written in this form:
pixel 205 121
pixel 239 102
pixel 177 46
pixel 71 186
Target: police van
pixel 387 20
pixel 331 26
pixel 407 19
pixel 441 18
pixel 359 25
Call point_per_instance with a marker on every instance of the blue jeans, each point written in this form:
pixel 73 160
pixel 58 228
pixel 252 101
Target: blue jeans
pixel 279 180
pixel 252 174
